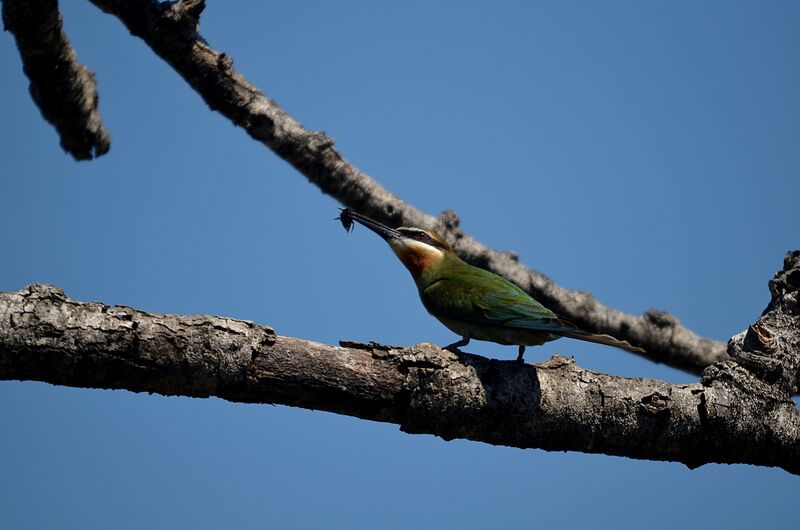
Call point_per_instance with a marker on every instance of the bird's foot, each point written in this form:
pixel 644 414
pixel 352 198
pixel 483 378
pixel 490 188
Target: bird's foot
pixel 456 345
pixel 521 355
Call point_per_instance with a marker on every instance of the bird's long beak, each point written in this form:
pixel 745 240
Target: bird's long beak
pixel 347 216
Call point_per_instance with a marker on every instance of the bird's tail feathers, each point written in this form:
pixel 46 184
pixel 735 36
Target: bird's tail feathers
pixel 603 339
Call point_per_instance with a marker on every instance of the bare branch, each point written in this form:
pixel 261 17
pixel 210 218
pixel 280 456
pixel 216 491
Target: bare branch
pixel 63 89
pixel 171 31
pixel 731 417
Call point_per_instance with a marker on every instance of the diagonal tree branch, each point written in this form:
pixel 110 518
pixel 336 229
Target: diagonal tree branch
pixel 63 89
pixel 170 29
pixel 731 417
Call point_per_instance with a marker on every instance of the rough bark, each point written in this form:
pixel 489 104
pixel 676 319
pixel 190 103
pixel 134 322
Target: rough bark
pixel 63 89
pixel 731 416
pixel 171 30
pixel 770 348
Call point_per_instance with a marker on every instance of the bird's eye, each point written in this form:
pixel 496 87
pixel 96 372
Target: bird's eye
pixel 422 236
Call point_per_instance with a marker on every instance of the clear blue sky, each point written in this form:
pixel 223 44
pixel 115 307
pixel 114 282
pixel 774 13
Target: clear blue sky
pixel 658 141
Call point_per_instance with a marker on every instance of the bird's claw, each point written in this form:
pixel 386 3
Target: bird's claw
pixel 454 348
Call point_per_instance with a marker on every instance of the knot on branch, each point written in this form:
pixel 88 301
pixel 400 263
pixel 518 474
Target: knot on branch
pixel 655 403
pixel 759 338
pixel 319 141
pixel 661 319
pixel 755 350
pixel 179 22
pixel 448 223
pixel 224 62
pixel 184 12
pixel 449 220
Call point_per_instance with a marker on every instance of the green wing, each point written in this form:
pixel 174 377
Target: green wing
pixel 480 297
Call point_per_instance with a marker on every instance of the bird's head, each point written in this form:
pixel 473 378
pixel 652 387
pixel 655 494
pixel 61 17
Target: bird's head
pixel 418 249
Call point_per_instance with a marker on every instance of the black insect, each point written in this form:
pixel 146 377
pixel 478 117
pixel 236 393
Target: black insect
pixel 346 218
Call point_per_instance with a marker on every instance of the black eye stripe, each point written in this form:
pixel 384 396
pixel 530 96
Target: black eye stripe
pixel 422 236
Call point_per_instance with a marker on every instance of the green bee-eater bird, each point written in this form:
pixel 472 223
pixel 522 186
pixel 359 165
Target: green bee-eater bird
pixel 472 302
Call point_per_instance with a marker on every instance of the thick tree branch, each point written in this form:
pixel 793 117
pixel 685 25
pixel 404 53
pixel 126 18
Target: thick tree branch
pixel 731 417
pixel 63 89
pixel 170 29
